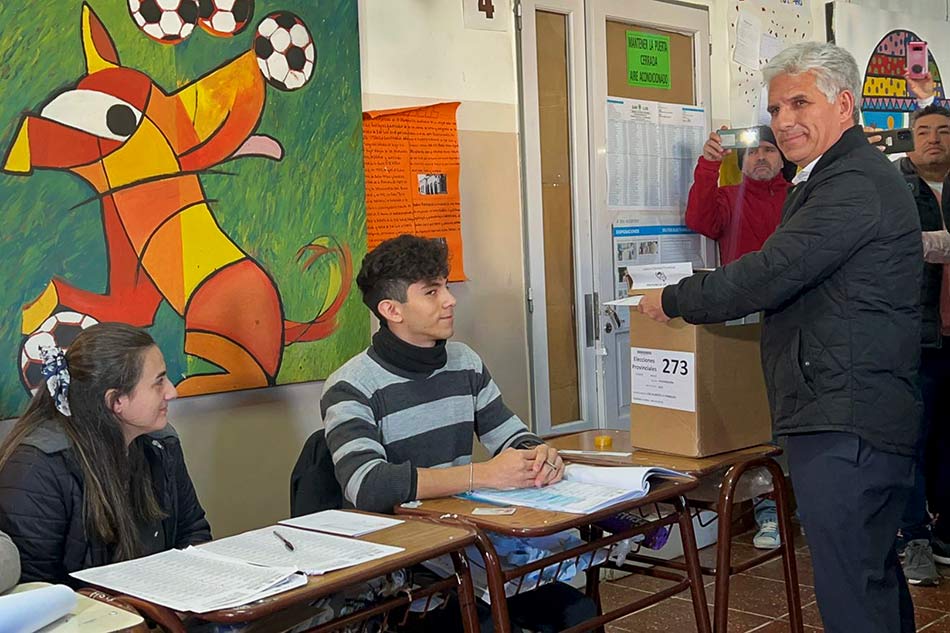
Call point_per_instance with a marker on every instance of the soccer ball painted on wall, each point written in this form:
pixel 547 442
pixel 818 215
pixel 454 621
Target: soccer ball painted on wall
pixel 224 18
pixel 285 51
pixel 165 21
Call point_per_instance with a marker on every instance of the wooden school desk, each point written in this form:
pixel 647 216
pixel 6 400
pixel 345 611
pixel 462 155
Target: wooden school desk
pixel 422 540
pixel 726 470
pixel 529 522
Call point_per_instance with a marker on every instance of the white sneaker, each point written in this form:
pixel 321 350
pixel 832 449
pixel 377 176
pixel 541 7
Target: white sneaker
pixel 767 537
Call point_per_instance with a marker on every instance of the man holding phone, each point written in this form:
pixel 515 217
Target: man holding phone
pixel 739 217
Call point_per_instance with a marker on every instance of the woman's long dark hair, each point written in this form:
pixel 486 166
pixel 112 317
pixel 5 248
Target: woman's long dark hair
pixel 118 492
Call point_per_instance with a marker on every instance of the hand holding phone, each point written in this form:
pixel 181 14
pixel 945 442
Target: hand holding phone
pixel 916 60
pixel 891 141
pixel 739 138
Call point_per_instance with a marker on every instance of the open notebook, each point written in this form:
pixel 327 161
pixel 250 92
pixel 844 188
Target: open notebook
pixel 583 490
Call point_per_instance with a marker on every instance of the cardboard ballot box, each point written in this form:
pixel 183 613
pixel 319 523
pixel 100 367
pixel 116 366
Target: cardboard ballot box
pixel 697 390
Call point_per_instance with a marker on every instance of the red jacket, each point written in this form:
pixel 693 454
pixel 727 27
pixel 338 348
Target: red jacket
pixel 739 217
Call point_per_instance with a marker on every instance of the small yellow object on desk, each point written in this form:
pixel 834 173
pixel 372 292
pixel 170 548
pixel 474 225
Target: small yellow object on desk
pixel 603 442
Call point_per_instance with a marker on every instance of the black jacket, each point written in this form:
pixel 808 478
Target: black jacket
pixel 41 503
pixel 313 484
pixel 929 211
pixel 839 282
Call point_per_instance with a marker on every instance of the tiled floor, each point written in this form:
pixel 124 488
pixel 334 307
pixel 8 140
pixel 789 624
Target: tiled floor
pixel 757 599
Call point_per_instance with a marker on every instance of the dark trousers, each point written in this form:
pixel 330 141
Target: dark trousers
pixel 851 497
pixel 547 609
pixel 932 478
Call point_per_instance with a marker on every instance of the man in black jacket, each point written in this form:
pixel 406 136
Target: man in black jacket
pixel 924 171
pixel 839 282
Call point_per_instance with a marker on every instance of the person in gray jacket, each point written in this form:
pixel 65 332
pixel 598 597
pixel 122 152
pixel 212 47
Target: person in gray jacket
pixel 9 563
pixel 839 282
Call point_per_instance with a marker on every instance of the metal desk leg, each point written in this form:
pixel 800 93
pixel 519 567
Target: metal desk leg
pixel 496 582
pixel 591 533
pixel 466 594
pixel 693 570
pixel 789 563
pixel 724 547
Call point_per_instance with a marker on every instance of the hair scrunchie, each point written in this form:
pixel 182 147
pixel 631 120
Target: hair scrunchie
pixel 57 377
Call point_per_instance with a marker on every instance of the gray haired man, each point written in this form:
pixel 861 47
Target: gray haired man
pixel 839 284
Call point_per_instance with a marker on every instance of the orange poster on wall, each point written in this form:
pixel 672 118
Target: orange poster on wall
pixel 411 159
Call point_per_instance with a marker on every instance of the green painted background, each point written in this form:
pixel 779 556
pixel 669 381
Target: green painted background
pixel 269 209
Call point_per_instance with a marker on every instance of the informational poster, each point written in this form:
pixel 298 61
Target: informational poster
pixel 411 158
pixel 636 246
pixel 648 60
pixel 663 378
pixel 652 149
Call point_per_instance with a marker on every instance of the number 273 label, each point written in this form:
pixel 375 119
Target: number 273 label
pixel 663 378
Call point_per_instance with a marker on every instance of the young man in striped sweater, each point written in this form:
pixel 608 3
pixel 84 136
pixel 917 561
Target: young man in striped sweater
pixel 401 415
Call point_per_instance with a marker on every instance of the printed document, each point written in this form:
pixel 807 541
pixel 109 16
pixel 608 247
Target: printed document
pixel 341 522
pixel 188 580
pixel 313 553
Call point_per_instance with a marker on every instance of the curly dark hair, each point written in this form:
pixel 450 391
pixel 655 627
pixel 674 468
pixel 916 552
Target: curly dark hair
pixel 933 108
pixel 390 268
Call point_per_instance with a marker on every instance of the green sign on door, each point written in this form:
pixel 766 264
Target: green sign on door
pixel 648 60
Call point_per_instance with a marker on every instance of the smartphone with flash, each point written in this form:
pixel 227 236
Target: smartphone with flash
pixel 916 60
pixel 894 141
pixel 739 138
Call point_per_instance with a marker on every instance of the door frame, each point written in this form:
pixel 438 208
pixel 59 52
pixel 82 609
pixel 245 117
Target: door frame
pixel 688 19
pixel 584 316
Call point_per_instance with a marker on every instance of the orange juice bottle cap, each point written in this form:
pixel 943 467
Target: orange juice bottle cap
pixel 603 441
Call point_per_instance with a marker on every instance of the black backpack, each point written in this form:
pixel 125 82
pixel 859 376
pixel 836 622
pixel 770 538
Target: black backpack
pixel 313 484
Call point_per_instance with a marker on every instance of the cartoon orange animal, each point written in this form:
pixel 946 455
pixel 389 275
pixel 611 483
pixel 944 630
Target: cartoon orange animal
pixel 142 150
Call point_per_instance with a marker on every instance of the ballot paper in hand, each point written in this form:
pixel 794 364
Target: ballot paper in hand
pixel 32 610
pixel 189 580
pixel 313 553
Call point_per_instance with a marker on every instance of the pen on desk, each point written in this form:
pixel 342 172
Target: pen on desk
pixel 287 544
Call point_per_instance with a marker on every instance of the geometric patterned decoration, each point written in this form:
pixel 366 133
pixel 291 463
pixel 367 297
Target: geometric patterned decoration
pixel 886 101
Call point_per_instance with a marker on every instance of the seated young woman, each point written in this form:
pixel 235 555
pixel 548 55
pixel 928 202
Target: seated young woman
pixel 92 473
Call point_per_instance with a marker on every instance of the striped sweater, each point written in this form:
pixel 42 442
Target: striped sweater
pixel 383 422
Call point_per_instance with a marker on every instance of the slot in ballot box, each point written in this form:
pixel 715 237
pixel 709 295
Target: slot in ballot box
pixel 696 390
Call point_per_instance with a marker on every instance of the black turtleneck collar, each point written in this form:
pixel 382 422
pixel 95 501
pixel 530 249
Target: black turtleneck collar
pixel 406 356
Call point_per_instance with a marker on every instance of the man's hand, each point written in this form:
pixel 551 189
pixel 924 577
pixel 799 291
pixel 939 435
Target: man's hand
pixel 651 304
pixel 877 139
pixel 920 88
pixel 511 468
pixel 713 150
pixel 548 467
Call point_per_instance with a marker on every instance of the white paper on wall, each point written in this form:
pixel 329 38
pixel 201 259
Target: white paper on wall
pixel 784 22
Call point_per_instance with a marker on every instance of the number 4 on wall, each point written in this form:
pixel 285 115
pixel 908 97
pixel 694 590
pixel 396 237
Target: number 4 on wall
pixel 487 15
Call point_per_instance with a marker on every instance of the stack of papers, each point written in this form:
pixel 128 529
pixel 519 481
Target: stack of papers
pixel 341 522
pixel 233 571
pixel 583 490
pixel 191 580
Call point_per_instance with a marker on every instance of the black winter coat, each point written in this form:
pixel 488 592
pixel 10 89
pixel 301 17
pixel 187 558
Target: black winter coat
pixel 839 282
pixel 929 211
pixel 41 503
